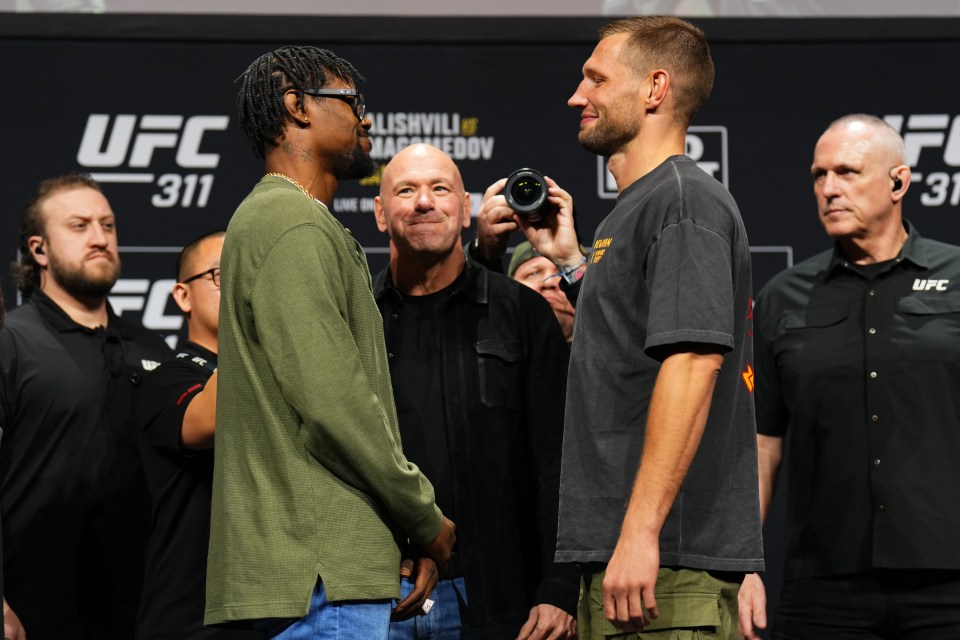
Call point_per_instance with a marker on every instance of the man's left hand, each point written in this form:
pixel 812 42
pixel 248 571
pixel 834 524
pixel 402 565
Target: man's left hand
pixel 547 622
pixel 629 602
pixel 424 574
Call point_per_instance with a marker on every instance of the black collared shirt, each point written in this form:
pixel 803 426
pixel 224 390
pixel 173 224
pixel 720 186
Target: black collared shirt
pixel 862 376
pixel 75 509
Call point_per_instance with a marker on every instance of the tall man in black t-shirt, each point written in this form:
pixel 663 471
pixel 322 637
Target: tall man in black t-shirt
pixel 175 420
pixel 75 507
pixel 857 351
pixel 478 364
pixel 659 488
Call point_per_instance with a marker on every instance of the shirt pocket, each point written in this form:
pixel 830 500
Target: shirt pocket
pixel 928 328
pixel 500 364
pixel 809 341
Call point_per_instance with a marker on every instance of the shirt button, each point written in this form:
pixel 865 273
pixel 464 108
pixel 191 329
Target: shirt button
pixel 873 374
pixel 872 292
pixel 876 462
pixel 875 418
pixel 872 331
pixel 390 355
pixel 395 316
pixel 881 507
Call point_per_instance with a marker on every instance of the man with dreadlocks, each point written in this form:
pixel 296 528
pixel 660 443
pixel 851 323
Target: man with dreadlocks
pixel 311 488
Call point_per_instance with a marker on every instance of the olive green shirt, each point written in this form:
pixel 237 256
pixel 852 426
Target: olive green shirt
pixel 309 476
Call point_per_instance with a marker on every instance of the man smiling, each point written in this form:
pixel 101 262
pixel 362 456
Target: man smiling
pixel 478 365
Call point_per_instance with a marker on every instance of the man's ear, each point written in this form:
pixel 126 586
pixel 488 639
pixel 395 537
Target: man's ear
pixel 467 210
pixel 294 105
pixel 659 82
pixel 181 295
pixel 380 215
pixel 35 246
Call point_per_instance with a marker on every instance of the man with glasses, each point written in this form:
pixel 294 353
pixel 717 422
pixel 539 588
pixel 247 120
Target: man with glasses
pixel 175 424
pixel 311 488
pixel 75 514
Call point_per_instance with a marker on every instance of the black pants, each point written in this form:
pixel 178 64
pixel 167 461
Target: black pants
pixel 888 604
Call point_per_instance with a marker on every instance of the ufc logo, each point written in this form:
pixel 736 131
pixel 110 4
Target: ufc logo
pixel 930 285
pixel 929 131
pixel 139 140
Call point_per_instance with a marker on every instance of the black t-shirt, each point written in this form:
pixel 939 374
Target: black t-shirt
pixel 417 388
pixel 179 481
pixel 75 507
pixel 670 266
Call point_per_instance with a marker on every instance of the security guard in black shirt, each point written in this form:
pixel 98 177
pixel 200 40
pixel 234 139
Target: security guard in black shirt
pixel 857 353
pixel 75 511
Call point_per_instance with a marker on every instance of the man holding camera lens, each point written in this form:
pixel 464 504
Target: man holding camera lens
pixel 536 198
pixel 478 366
pixel 659 496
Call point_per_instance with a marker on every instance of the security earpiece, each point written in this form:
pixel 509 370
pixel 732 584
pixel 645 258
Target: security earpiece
pixel 39 250
pixel 897 183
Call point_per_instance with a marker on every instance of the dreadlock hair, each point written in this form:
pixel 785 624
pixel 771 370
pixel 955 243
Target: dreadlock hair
pixel 26 271
pixel 189 249
pixel 260 105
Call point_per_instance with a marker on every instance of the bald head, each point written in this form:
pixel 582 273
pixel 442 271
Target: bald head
pixel 859 180
pixel 419 158
pixel 423 206
pixel 875 134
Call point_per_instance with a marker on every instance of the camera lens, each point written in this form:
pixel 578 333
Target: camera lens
pixel 525 191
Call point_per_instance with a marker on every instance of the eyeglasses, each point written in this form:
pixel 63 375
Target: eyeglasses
pixel 354 97
pixel 213 273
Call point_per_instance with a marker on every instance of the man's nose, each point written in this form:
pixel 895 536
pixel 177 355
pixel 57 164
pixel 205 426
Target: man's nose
pixel 577 100
pixel 424 200
pixel 829 185
pixel 99 236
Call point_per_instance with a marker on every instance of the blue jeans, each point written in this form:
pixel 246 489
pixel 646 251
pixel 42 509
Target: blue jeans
pixel 353 620
pixel 443 621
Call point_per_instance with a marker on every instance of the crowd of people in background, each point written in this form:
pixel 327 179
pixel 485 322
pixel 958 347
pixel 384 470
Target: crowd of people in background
pixel 569 441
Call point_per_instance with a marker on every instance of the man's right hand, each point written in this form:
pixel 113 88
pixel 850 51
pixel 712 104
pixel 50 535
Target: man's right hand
pixel 495 223
pixel 441 547
pixel 753 606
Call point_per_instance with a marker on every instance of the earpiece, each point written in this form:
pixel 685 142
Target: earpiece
pixel 897 183
pixel 39 250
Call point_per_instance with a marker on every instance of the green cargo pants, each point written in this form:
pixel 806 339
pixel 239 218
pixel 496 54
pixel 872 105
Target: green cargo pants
pixel 693 605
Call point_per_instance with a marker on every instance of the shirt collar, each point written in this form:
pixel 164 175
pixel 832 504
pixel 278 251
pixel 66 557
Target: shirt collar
pixel 912 251
pixel 58 318
pixel 473 286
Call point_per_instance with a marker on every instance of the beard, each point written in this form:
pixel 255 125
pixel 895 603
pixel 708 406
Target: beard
pixel 78 283
pixel 609 135
pixel 355 165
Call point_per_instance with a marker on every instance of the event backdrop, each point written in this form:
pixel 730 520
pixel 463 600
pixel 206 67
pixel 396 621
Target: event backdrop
pixel 154 121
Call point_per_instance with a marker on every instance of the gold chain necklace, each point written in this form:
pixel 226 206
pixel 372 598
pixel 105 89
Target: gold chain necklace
pixel 277 174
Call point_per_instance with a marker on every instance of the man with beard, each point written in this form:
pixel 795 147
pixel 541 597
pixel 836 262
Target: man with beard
pixel 659 488
pixel 75 509
pixel 311 490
